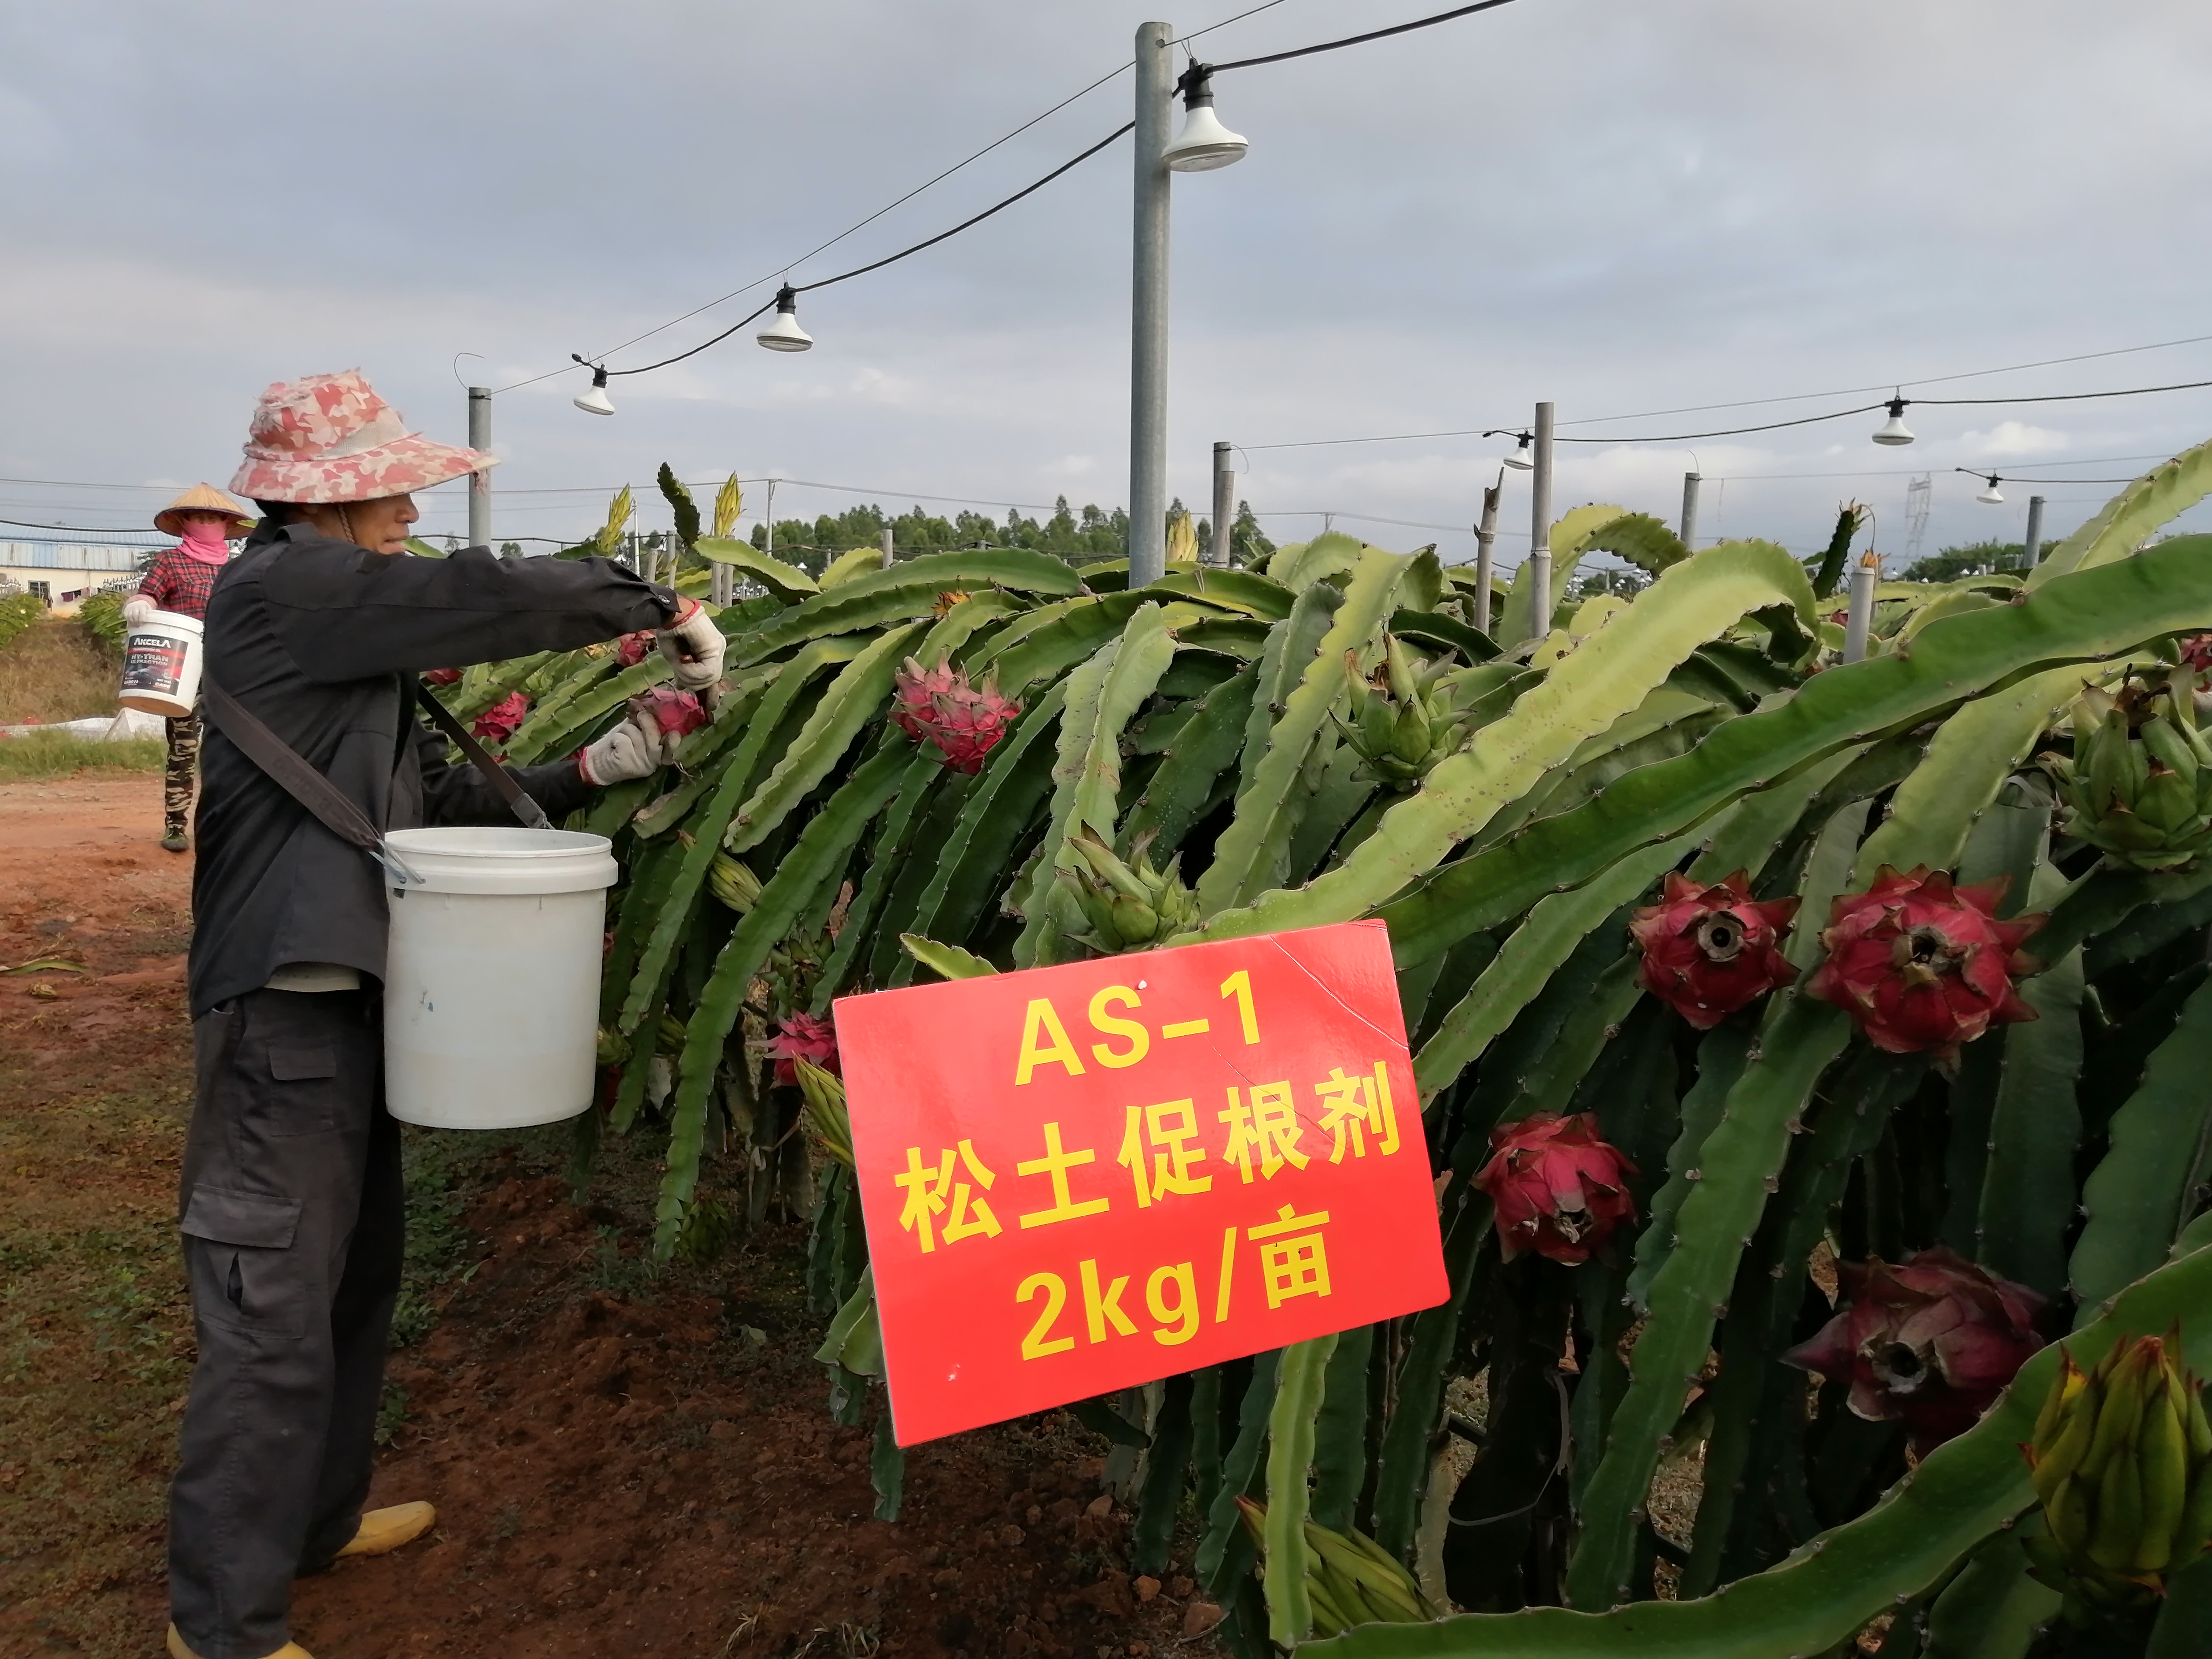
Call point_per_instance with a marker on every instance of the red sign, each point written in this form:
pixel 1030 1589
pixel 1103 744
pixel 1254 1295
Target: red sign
pixel 1079 1178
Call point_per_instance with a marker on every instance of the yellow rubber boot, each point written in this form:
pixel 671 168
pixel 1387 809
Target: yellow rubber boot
pixel 178 1650
pixel 383 1530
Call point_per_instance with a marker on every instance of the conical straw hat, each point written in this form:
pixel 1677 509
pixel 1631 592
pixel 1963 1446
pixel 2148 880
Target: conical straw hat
pixel 203 498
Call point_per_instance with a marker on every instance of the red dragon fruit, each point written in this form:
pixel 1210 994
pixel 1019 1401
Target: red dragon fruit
pixel 802 1037
pixel 1711 950
pixel 677 714
pixel 632 649
pixel 1923 967
pixel 1560 1187
pixel 442 677
pixel 1928 1342
pixel 938 706
pixel 498 723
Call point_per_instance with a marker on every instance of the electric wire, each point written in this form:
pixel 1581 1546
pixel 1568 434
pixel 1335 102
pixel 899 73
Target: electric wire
pixel 597 364
pixel 862 270
pixel 1356 39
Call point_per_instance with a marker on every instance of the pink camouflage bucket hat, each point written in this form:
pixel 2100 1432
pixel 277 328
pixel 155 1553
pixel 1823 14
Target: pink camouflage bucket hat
pixel 328 438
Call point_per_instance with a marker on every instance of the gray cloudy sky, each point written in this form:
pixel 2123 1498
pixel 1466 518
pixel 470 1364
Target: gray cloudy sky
pixel 1622 205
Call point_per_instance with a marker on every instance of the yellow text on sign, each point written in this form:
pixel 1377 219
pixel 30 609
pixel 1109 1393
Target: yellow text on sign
pixel 1046 1041
pixel 1293 1262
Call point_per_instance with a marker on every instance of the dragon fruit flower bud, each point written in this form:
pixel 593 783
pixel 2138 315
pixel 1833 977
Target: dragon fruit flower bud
pixel 1708 951
pixel 1928 1342
pixel 798 1036
pixel 963 721
pixel 1923 967
pixel 1560 1190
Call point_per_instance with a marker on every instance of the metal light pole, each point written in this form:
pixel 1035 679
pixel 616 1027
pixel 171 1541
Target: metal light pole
pixel 1224 505
pixel 1486 538
pixel 1540 530
pixel 2033 549
pixel 480 483
pixel 1148 310
pixel 1690 483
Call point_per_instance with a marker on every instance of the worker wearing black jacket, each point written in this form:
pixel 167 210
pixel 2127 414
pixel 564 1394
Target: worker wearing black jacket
pixel 291 1205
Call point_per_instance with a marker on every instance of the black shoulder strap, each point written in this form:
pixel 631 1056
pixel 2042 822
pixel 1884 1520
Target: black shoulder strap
pixel 531 814
pixel 284 763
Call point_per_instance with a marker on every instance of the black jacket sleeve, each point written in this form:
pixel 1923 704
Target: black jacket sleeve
pixel 455 792
pixel 345 613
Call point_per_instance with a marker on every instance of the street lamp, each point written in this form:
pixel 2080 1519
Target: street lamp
pixel 596 401
pixel 1521 460
pixel 784 334
pixel 1990 495
pixel 1204 144
pixel 1893 431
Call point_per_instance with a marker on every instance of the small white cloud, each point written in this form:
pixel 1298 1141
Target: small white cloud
pixel 2012 438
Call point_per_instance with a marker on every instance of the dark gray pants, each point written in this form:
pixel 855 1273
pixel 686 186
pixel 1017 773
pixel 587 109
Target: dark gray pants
pixel 292 1220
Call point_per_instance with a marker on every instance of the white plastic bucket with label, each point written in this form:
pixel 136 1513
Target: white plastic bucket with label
pixel 161 665
pixel 492 990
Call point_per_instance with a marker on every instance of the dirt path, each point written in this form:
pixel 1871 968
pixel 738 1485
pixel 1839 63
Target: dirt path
pixel 624 1460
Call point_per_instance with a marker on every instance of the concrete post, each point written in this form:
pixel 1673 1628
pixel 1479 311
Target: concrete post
pixel 480 483
pixel 770 548
pixel 1690 483
pixel 1148 309
pixel 890 558
pixel 2033 549
pixel 1224 506
pixel 1858 621
pixel 1485 539
pixel 1540 530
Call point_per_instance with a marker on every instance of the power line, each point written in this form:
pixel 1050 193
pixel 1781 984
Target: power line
pixel 1901 403
pixel 1356 39
pixel 598 364
pixel 1269 6
pixel 1753 403
pixel 861 271
pixel 1854 391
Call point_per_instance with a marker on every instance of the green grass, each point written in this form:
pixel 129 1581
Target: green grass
pixel 59 755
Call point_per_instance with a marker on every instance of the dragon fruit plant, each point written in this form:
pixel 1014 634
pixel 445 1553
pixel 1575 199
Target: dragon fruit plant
pixel 1722 1025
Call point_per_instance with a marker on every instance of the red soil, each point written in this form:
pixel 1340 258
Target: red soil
pixel 622 1464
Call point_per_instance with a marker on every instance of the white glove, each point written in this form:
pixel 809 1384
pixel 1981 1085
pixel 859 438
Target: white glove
pixel 635 748
pixel 694 646
pixel 138 610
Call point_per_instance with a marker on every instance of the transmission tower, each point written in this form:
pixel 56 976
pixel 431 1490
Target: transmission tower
pixel 1918 495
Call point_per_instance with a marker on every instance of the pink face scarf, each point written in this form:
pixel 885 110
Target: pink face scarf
pixel 204 541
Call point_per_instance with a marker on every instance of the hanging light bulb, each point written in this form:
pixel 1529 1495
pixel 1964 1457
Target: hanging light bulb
pixel 1990 495
pixel 1524 457
pixel 1893 430
pixel 784 334
pixel 1204 144
pixel 596 401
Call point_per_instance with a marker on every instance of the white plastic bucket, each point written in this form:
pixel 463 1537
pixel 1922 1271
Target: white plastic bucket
pixel 161 665
pixel 491 989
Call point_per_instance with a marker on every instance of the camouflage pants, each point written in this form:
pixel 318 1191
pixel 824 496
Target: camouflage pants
pixel 177 784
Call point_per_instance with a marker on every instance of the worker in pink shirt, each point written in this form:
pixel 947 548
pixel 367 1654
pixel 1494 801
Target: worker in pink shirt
pixel 180 581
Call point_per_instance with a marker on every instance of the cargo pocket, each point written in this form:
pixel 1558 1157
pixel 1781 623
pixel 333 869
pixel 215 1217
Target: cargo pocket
pixel 307 1103
pixel 244 1273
